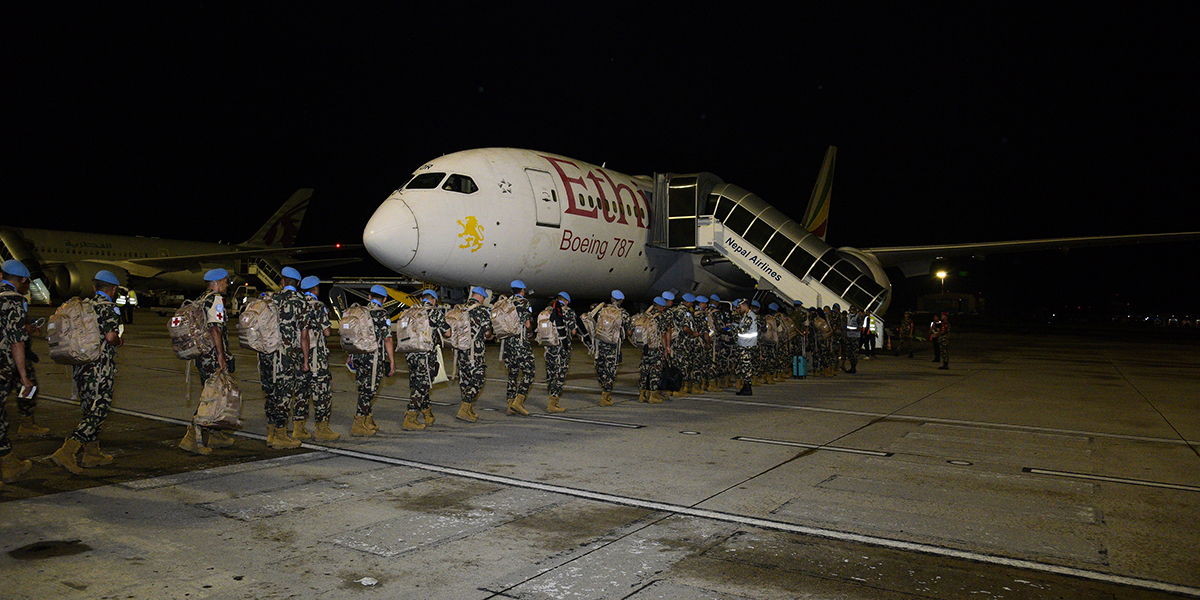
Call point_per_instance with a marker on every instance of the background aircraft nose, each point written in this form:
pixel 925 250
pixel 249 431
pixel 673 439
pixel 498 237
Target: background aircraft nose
pixel 391 234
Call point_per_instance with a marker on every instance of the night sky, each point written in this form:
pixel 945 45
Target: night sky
pixel 954 123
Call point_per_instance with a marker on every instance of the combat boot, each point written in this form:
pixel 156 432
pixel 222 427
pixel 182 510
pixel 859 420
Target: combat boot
pixel 65 456
pixel 324 434
pixel 217 438
pixel 553 407
pixel 428 414
pixel 655 397
pixel 642 395
pixel 518 406
pixel 606 399
pixel 93 457
pixel 29 429
pixel 11 468
pixel 299 432
pixel 192 442
pixel 277 439
pixel 411 423
pixel 369 421
pixel 746 390
pixel 465 413
pixel 471 408
pixel 360 428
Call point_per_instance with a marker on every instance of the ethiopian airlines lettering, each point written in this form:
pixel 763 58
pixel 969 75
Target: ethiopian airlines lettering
pixel 587 195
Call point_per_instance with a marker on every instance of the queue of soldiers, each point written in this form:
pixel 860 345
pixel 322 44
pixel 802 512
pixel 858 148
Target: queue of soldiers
pixel 689 344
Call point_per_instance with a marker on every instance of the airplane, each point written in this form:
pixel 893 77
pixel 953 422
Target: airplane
pixel 63 263
pixel 488 216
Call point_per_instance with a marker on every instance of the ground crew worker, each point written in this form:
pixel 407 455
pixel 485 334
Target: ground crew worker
pixel 14 332
pixel 472 363
pixel 369 367
pixel 853 339
pixel 517 353
pixel 608 355
pixel 94 383
pixel 421 364
pixel 650 368
pixel 746 331
pixel 282 371
pixel 317 382
pixel 201 440
pixel 558 358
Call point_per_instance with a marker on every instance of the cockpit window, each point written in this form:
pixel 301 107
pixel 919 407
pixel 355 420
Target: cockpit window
pixel 461 184
pixel 425 181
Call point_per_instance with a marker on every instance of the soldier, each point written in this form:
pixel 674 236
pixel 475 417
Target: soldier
pixel 941 338
pixel 824 356
pixel 517 353
pixel 799 318
pixel 724 342
pixel 14 332
pixel 934 326
pixel 650 368
pixel 201 440
pixel 472 363
pixel 317 382
pixel 281 372
pixel 558 358
pixel 608 355
pixel 746 330
pixel 15 286
pixel 94 382
pixel 369 368
pixel 705 370
pixel 421 364
pixel 905 343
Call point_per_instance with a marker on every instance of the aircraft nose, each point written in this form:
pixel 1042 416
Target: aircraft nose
pixel 391 234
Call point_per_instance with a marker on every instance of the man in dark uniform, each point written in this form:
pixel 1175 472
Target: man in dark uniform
pixel 746 332
pixel 281 371
pixel 201 440
pixel 94 381
pixel 472 363
pixel 650 369
pixel 13 366
pixel 369 366
pixel 608 355
pixel 421 364
pixel 317 383
pixel 518 353
pixel 558 358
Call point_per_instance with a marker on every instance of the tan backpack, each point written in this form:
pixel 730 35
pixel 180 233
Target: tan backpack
pixel 607 327
pixel 547 331
pixel 258 326
pixel 74 333
pixel 505 320
pixel 413 333
pixel 189 331
pixel 357 331
pixel 645 332
pixel 459 319
pixel 220 403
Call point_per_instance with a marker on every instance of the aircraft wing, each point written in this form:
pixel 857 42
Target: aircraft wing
pixel 192 262
pixel 914 260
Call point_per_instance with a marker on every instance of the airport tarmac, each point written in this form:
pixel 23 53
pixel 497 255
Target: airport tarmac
pixel 1039 466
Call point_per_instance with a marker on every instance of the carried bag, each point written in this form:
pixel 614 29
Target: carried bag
pixel 74 333
pixel 547 331
pixel 459 319
pixel 644 332
pixel 258 326
pixel 357 332
pixel 189 331
pixel 607 327
pixel 220 403
pixel 671 379
pixel 413 333
pixel 505 320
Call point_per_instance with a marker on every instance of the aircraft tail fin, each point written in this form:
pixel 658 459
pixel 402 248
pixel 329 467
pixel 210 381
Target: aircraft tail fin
pixel 816 216
pixel 281 229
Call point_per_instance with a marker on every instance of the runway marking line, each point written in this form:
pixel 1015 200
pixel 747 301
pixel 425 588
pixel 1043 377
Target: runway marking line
pixel 742 438
pixel 1142 482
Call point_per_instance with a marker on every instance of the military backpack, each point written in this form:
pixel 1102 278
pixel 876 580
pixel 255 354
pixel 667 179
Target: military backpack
pixel 413 332
pixel 505 320
pixel 459 319
pixel 357 331
pixel 258 326
pixel 74 333
pixel 547 331
pixel 608 322
pixel 189 331
pixel 644 332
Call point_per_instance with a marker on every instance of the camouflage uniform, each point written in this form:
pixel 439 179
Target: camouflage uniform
pixel 558 358
pixel 420 364
pixel 281 372
pixel 824 357
pixel 852 339
pixel 650 369
pixel 724 342
pixel 13 311
pixel 94 380
pixel 705 323
pixel 685 353
pixel 317 383
pixel 472 364
pixel 942 334
pixel 369 368
pixel 744 354
pixel 518 353
pixel 214 312
pixel 765 358
pixel 905 343
pixel 608 356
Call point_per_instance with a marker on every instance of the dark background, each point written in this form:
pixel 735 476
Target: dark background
pixel 954 122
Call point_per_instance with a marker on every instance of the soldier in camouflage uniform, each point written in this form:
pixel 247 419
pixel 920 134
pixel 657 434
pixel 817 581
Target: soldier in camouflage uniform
pixel 650 368
pixel 201 440
pixel 905 343
pixel 683 355
pixel 369 367
pixel 746 332
pixel 421 364
pixel 472 364
pixel 518 354
pixel 941 333
pixel 608 356
pixel 281 372
pixel 14 370
pixel 558 358
pixel 94 381
pixel 824 360
pixel 724 342
pixel 317 383
pixel 705 369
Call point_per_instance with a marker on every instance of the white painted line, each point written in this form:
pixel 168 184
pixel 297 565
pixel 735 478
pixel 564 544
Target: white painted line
pixel 1157 484
pixel 590 421
pixel 742 438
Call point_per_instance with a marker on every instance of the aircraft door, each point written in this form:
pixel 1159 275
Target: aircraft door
pixel 545 198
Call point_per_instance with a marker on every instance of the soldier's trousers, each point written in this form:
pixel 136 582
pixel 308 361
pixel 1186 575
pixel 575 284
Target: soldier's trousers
pixel 317 385
pixel 368 374
pixel 6 386
pixel 850 350
pixel 94 381
pixel 744 362
pixel 278 373
pixel 650 369
pixel 518 359
pixel 472 370
pixel 944 345
pixel 420 379
pixel 608 357
pixel 558 362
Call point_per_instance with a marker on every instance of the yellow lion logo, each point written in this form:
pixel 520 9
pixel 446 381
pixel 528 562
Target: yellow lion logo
pixel 472 233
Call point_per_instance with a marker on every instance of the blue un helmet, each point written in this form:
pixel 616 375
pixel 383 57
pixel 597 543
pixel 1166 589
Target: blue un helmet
pixel 15 267
pixel 668 296
pixel 216 274
pixel 379 290
pixel 291 273
pixel 618 295
pixel 107 277
pixel 659 301
pixel 565 296
pixel 480 291
pixel 310 282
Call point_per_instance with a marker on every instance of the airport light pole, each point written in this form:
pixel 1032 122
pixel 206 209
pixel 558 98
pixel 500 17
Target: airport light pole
pixel 942 276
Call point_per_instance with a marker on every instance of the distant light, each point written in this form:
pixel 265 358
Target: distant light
pixel 941 274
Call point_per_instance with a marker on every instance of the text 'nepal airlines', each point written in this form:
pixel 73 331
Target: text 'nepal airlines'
pixel 488 216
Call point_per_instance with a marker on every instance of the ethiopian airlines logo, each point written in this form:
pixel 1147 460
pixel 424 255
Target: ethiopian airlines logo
pixel 472 234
